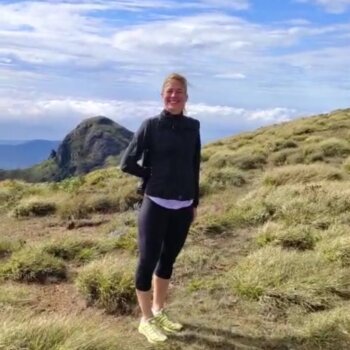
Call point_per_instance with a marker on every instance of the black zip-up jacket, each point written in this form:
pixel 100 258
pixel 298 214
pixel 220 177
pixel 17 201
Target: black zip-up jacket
pixel 173 148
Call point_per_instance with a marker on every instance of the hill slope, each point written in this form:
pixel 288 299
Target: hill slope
pixel 266 264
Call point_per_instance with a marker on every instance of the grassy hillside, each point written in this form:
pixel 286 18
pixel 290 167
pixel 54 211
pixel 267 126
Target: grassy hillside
pixel 266 266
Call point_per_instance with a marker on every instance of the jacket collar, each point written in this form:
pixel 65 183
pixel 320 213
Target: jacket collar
pixel 167 115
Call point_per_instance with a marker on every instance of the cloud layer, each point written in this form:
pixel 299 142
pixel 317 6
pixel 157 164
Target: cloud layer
pixel 64 60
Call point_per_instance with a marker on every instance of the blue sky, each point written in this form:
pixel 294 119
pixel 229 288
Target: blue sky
pixel 249 62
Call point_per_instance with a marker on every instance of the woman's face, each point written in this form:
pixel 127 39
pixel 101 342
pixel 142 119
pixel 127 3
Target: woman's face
pixel 174 97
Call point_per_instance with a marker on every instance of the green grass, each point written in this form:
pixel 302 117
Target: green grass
pixel 266 264
pixel 33 265
pixel 307 275
pixel 108 284
pixel 57 333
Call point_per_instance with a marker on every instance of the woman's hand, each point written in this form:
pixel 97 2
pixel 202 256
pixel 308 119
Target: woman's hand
pixel 194 213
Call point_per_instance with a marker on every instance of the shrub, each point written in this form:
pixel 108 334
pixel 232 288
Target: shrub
pixel 74 209
pixel 34 206
pixel 222 178
pixel 7 247
pixel 281 157
pixel 213 225
pixel 271 269
pixel 108 284
pixel 337 249
pixel 326 330
pixel 83 250
pixel 300 237
pixel 281 144
pixel 334 147
pixel 33 265
pixel 71 249
pixel 306 204
pixel 301 173
pixel 15 295
pixel 43 333
pixel 250 161
pixel 206 154
pixel 103 203
pixel 245 159
pixel 346 164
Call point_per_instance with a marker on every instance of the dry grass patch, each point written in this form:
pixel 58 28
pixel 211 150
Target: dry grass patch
pixel 108 284
pixel 57 333
pixel 219 179
pixel 346 164
pixel 15 295
pixel 7 246
pixel 34 206
pixel 327 330
pixel 33 265
pixel 301 173
pixel 307 275
pixel 337 249
pixel 300 237
pixel 245 158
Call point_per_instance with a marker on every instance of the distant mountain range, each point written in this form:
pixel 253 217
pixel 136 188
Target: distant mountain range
pixel 95 143
pixel 22 154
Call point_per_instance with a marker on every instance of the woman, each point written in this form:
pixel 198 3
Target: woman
pixel 171 142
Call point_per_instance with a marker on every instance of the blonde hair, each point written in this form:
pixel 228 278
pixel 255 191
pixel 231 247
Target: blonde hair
pixel 178 77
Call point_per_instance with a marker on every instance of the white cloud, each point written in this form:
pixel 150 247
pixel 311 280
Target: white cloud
pixel 332 6
pixel 64 114
pixel 51 50
pixel 230 76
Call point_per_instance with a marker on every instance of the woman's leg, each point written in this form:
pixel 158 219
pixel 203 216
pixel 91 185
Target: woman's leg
pixel 160 286
pixel 151 226
pixel 175 237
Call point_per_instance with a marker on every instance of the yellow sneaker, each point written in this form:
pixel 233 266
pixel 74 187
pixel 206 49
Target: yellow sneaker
pixel 151 331
pixel 163 322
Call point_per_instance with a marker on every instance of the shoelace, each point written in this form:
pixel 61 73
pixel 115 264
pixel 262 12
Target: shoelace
pixel 164 319
pixel 151 328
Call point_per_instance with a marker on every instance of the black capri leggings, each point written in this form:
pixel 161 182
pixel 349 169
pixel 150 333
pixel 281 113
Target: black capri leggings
pixel 162 234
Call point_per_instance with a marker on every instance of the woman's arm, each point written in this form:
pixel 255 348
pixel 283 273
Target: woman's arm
pixel 196 164
pixel 133 153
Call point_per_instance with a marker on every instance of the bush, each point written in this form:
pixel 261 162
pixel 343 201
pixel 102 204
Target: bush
pixel 346 164
pixel 74 209
pixel 331 147
pixel 334 147
pixel 34 206
pixel 83 250
pixel 245 159
pixel 7 247
pixel 282 157
pixel 103 203
pixel 314 203
pixel 222 178
pixel 301 173
pixel 337 250
pixel 247 214
pixel 33 265
pixel 71 249
pixel 109 285
pixel 282 144
pixel 300 237
pixel 43 333
pixel 206 154
pixel 326 330
pixel 273 270
pixel 15 295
